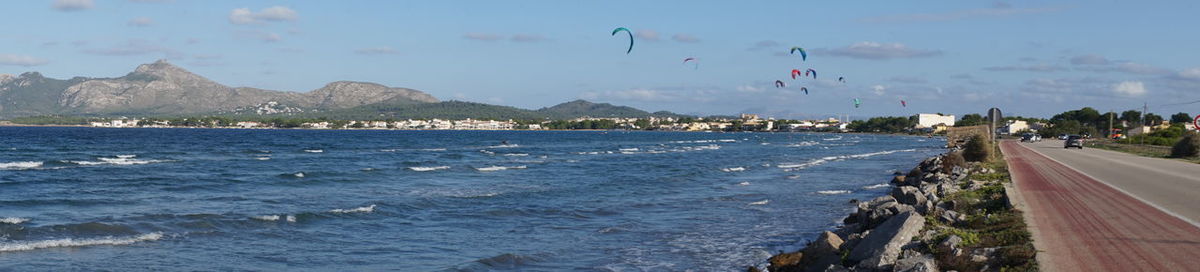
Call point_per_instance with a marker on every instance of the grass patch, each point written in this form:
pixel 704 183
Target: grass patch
pixel 1152 151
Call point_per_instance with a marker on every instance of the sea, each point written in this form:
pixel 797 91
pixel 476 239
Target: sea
pixel 178 199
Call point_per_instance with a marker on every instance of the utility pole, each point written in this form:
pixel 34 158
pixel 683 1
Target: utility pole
pixel 1145 110
pixel 1108 134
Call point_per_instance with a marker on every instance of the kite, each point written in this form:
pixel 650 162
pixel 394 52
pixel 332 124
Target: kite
pixel 842 79
pixel 814 73
pixel 779 84
pixel 857 102
pixel 619 29
pixel 694 61
pixel 795 72
pixel 903 104
pixel 804 89
pixel 803 55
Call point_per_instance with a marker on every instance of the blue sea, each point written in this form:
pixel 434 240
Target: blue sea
pixel 375 200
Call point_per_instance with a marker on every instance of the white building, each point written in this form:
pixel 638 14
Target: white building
pixel 248 124
pixel 1014 126
pixel 928 120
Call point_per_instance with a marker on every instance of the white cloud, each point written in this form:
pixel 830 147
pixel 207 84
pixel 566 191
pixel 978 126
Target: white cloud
pixel 487 37
pixel 648 35
pixel 134 47
pixel 18 60
pixel 879 51
pixel 878 90
pixel 73 5
pixel 1130 88
pixel 1126 67
pixel 685 38
pixel 242 16
pixel 1193 73
pixel 749 89
pixel 383 50
pixel 141 22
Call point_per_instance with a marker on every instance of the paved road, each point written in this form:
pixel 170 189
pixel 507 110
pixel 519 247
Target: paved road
pixel 1081 223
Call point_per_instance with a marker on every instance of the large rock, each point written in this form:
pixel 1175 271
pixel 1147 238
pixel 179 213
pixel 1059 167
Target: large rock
pixel 922 263
pixel 815 257
pixel 908 195
pixel 880 249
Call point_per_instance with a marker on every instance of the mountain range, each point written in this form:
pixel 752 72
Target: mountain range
pixel 163 89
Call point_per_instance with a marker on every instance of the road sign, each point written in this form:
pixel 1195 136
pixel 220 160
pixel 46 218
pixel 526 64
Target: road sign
pixel 1196 123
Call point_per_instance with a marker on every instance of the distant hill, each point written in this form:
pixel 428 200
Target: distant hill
pixel 162 89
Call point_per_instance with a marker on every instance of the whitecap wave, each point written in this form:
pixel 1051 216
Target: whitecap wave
pixel 733 169
pixel 824 160
pixel 298 174
pixel 70 242
pixel 119 160
pixel 428 168
pixel 314 150
pixel 516 154
pixel 876 186
pixel 484 151
pixel 833 192
pixel 628 149
pixel 804 143
pixel 744 183
pixel 838 138
pixel 763 202
pixel 433 149
pixel 262 158
pixel 498 168
pixel 504 146
pixel 267 217
pixel 387 150
pixel 13 220
pixel 364 209
pixel 20 165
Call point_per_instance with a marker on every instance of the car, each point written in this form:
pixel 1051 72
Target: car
pixel 1030 137
pixel 1073 141
pixel 1062 136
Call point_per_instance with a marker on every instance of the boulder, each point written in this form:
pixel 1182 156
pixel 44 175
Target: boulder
pixel 815 257
pixel 929 188
pixel 908 195
pixel 951 244
pixel 950 217
pixel 881 248
pixel 898 179
pixel 785 262
pixel 921 263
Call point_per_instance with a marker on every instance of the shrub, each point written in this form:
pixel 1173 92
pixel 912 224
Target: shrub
pixel 951 160
pixel 1188 146
pixel 977 149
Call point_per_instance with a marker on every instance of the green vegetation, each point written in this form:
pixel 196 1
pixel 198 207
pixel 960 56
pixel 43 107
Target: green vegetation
pixel 977 149
pixel 973 119
pixel 884 124
pixel 1162 137
pixel 1188 146
pixel 990 223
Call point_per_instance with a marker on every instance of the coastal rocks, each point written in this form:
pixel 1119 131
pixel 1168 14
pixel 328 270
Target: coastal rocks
pixel 951 217
pixel 908 195
pixel 920 263
pixel 816 257
pixel 880 249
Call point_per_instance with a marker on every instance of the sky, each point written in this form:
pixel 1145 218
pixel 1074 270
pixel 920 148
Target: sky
pixel 1028 58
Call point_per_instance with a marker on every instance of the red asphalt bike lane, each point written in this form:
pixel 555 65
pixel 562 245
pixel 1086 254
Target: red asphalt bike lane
pixel 1082 224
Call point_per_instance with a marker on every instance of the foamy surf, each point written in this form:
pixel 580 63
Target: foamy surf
pixel 427 169
pixel 763 202
pixel 13 220
pixel 69 242
pixel 876 186
pixel 314 150
pixel 824 160
pixel 833 192
pixel 365 209
pixel 433 149
pixel 744 183
pixel 498 168
pixel 516 154
pixel 504 146
pixel 266 217
pixel 733 169
pixel 20 165
pixel 118 160
pixel 298 174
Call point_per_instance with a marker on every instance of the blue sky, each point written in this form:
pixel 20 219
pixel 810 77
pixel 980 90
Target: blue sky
pixel 1033 58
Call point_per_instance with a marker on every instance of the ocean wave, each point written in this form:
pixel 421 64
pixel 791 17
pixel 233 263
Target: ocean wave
pixel 824 160
pixel 876 186
pixel 364 209
pixel 314 150
pixel 13 220
pixel 20 165
pixel 733 169
pixel 387 150
pixel 498 168
pixel 485 151
pixel 763 202
pixel 70 242
pixel 267 217
pixel 833 192
pixel 262 158
pixel 516 154
pixel 838 138
pixel 426 169
pixel 628 149
pixel 433 149
pixel 298 174
pixel 118 160
pixel 744 183
pixel 804 143
pixel 505 146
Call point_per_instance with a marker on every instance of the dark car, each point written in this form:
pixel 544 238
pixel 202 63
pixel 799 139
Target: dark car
pixel 1073 141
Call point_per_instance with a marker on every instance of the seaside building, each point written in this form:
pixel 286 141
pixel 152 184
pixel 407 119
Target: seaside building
pixel 1015 126
pixel 248 124
pixel 929 120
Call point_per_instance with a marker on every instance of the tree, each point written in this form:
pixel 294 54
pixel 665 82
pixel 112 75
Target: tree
pixel 977 149
pixel 1131 116
pixel 1181 118
pixel 973 119
pixel 1188 146
pixel 1153 119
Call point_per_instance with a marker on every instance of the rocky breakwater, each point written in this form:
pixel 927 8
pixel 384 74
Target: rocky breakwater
pixel 902 231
